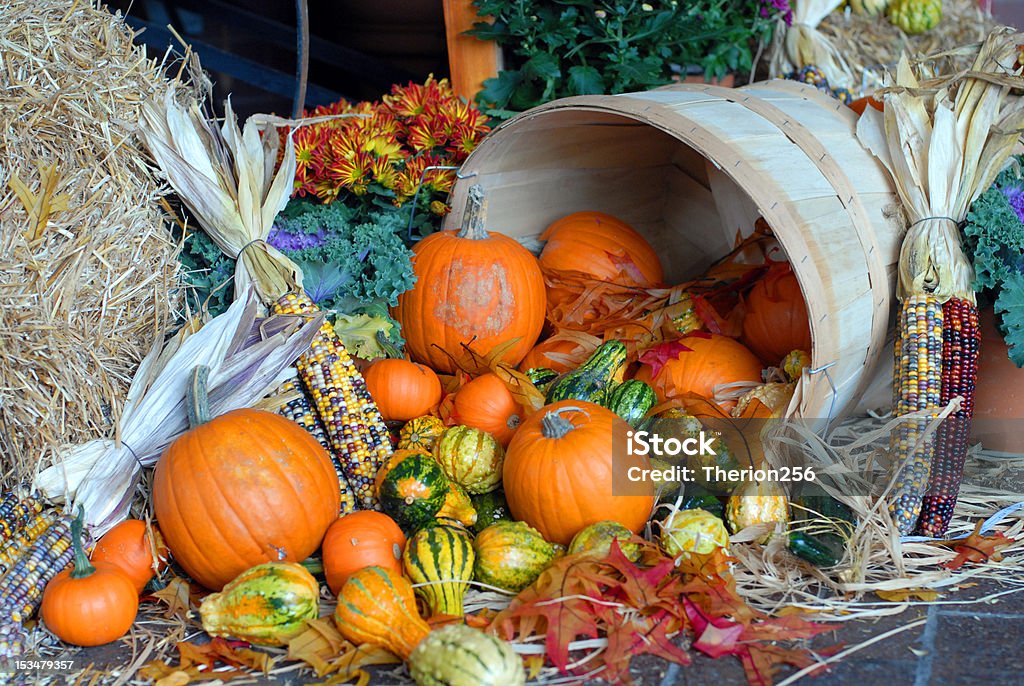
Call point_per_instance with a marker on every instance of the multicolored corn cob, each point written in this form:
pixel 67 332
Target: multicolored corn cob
pixel 15 546
pixel 918 378
pixel 300 411
pixel 15 512
pixel 961 341
pixel 21 588
pixel 354 426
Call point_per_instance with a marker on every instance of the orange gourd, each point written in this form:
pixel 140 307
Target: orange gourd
pixel 130 546
pixel 378 607
pixel 89 605
pixel 567 468
pixel 395 458
pixel 402 389
pixel 358 540
pixel 485 403
pixel 710 360
pixel 776 320
pixel 242 489
pixel 472 288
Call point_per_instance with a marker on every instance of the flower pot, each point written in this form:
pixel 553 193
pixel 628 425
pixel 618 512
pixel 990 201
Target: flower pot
pixel 999 397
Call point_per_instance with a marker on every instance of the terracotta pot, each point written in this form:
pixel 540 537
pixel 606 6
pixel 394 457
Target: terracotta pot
pixel 999 399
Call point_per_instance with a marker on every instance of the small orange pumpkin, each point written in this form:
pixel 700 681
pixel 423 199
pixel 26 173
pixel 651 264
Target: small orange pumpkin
pixel 89 605
pixel 567 468
pixel 709 360
pixel 361 539
pixel 776 319
pixel 377 606
pixel 402 389
pixel 130 546
pixel 485 403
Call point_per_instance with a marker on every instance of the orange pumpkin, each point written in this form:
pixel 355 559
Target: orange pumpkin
pixel 242 489
pixel 538 355
pixel 861 104
pixel 130 546
pixel 377 606
pixel 485 403
pixel 567 468
pixel 472 288
pixel 710 360
pixel 776 320
pixel 358 540
pixel 402 389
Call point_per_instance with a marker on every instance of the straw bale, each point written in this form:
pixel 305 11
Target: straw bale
pixel 88 267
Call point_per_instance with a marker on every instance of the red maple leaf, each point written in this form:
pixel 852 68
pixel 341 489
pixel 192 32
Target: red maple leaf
pixel 660 355
pixel 976 547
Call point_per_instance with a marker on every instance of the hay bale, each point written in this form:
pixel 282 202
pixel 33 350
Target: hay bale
pixel 88 268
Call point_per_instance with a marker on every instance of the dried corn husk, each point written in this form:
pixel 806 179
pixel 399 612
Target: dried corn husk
pixel 245 356
pixel 801 44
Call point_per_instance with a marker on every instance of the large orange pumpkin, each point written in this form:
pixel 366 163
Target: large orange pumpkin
pixel 568 467
pixel 708 361
pixel 485 403
pixel 475 288
pixel 242 489
pixel 402 389
pixel 776 321
pixel 359 540
pixel 130 546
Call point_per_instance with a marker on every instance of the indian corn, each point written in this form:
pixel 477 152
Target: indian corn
pixel 13 548
pixel 21 587
pixel 15 512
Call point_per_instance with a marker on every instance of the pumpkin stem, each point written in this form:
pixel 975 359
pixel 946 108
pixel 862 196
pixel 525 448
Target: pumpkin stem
pixel 197 398
pixel 83 567
pixel 554 425
pixel 473 217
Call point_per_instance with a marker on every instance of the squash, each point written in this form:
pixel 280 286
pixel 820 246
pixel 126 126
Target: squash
pixel 421 433
pixel 413 491
pixel 457 506
pixel 596 540
pixel 89 605
pixel 241 489
pixel 821 527
pixel 131 545
pixel 473 288
pixel 267 605
pixel 395 459
pixel 487 404
pixel 632 400
pixel 441 554
pixel 593 379
pixel 402 389
pixel 541 378
pixel 470 457
pixel 378 607
pixel 754 503
pixel 459 655
pixel 676 423
pixel 361 539
pixel 511 555
pixel 776 319
pixel 692 531
pixel 491 508
pixel 868 8
pixel 566 469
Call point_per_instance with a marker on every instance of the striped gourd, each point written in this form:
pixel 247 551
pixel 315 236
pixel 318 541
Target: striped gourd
pixel 15 512
pixel 421 433
pixel 16 545
pixel 918 378
pixel 631 400
pixel 354 425
pixel 470 457
pixel 457 506
pixel 441 559
pixel 459 655
pixel 21 588
pixel 915 16
pixel 298 409
pixel 961 339
pixel 511 555
pixel 267 604
pixel 413 491
pixel 377 606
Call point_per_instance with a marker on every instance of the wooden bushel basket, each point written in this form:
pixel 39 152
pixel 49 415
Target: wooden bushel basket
pixel 690 166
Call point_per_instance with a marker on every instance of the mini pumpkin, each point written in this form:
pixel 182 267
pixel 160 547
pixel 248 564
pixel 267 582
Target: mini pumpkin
pixel 486 403
pixel 361 539
pixel 776 321
pixel 131 545
pixel 402 390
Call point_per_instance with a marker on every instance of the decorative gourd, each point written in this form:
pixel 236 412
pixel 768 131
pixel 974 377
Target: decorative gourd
pixel 632 400
pixel 241 489
pixel 868 7
pixel 775 398
pixel 395 459
pixel 402 390
pixel 459 655
pixel 361 539
pixel 130 546
pixel 710 360
pixel 915 16
pixel 472 288
pixel 541 377
pixel 491 508
pixel 413 491
pixel 421 433
pixel 539 355
pixel 794 364
pixel 89 605
pixel 692 531
pixel 592 380
pixel 378 607
pixel 486 403
pixel 471 458
pixel 457 506
pixel 596 540
pixel 561 466
pixel 511 555
pixel 776 320
pixel 267 605
pixel 757 502
pixel 440 554
pixel 676 423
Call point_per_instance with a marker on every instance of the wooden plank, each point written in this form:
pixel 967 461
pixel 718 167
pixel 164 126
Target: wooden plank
pixel 470 60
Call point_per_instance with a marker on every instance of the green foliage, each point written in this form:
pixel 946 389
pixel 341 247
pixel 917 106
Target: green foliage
pixel 209 275
pixel 561 48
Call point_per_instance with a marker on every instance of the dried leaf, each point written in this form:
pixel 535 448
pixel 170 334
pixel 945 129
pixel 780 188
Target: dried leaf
pixel 318 644
pixel 976 547
pixel 904 594
pixel 197 663
pixel 176 595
